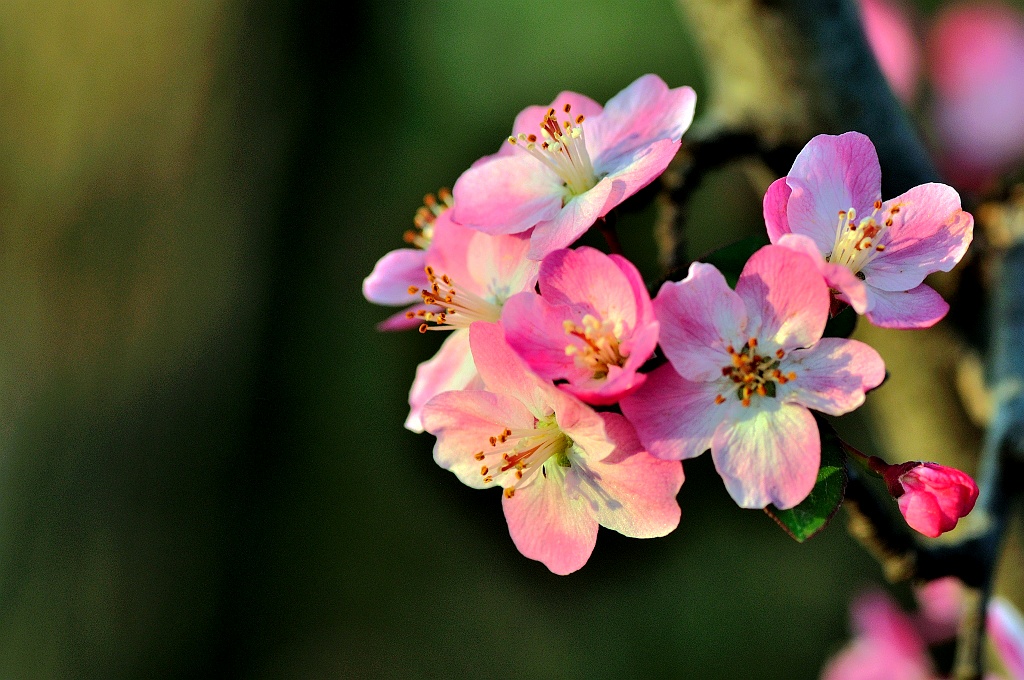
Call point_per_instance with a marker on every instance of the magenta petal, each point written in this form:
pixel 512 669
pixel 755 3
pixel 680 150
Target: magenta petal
pixel 507 194
pixel 463 422
pixel 388 283
pixel 548 526
pixel 700 316
pixel 452 368
pixel 930 233
pixel 675 418
pixel 920 307
pixel 785 296
pixel 534 329
pixel 637 491
pixel 935 497
pixel 833 375
pixel 592 282
pixel 776 203
pixel 645 111
pixel 770 456
pixel 830 174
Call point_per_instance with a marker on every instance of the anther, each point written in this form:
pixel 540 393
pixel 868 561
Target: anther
pixel 510 491
pixel 494 441
pixel 483 470
pixel 878 205
pixel 423 328
pixel 779 353
pixel 719 399
pixel 479 455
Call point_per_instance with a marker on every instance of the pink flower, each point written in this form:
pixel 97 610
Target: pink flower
pixel 876 254
pixel 976 56
pixel 463 276
pixel 563 174
pixel 397 271
pixel 888 30
pixel 745 367
pixel 592 325
pixel 932 497
pixel 1006 628
pixel 565 468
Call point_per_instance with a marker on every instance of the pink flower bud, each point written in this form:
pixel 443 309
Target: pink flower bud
pixel 932 497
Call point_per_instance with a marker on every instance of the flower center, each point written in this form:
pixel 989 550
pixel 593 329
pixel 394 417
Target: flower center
pixel 458 306
pixel 562 147
pixel 857 243
pixel 599 348
pixel 514 456
pixel 754 373
pixel 422 232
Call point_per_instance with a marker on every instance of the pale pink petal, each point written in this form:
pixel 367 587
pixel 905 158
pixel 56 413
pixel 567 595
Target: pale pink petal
pixel 502 370
pixel 930 233
pixel 770 456
pixel 645 111
pixel 888 30
pixel 643 305
pixel 499 266
pixel 449 249
pixel 463 422
pixel 575 218
pixel 582 424
pixel 548 526
pixel 388 283
pixel 452 368
pixel 830 174
pixel 631 491
pixel 920 307
pixel 935 497
pixel 591 282
pixel 632 172
pixel 700 316
pixel 785 295
pixel 833 375
pixel 401 321
pixel 776 204
pixel 676 418
pixel 507 194
pixel 846 285
pixel 1006 627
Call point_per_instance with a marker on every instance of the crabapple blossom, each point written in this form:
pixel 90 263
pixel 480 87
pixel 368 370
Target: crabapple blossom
pixel 744 367
pixel 876 253
pixel 463 276
pixel 1006 628
pixel 931 497
pixel 592 324
pixel 565 468
pixel 888 31
pixel 568 165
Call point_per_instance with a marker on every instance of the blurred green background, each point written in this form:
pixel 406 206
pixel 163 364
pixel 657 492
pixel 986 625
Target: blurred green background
pixel 203 470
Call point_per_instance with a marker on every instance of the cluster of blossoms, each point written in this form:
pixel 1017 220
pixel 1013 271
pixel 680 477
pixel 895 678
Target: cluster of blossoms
pixel 541 387
pixel 890 644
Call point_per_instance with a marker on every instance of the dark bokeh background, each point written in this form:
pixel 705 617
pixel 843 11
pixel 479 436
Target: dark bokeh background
pixel 203 471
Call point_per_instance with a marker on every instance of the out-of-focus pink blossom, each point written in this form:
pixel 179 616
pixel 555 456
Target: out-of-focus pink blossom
pixel 976 62
pixel 565 468
pixel 745 366
pixel 876 253
pixel 592 325
pixel 569 164
pixel 889 32
pixel 1006 628
pixel 932 497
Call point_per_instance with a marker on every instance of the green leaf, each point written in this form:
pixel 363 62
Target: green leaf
pixel 816 511
pixel 842 324
pixel 731 258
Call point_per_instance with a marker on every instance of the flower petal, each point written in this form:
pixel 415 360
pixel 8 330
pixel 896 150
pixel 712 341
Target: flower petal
pixel 830 174
pixel 502 370
pixel 771 456
pixel 833 375
pixel 776 204
pixel 675 418
pixel 590 282
pixel 919 307
pixel 534 329
pixel 645 111
pixel 549 526
pixel 499 266
pixel 633 171
pixel 529 120
pixel 631 491
pixel 785 295
pixel 507 194
pixel 1006 627
pixel 452 368
pixel 388 283
pixel 930 233
pixel 850 289
pixel 463 422
pixel 699 317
